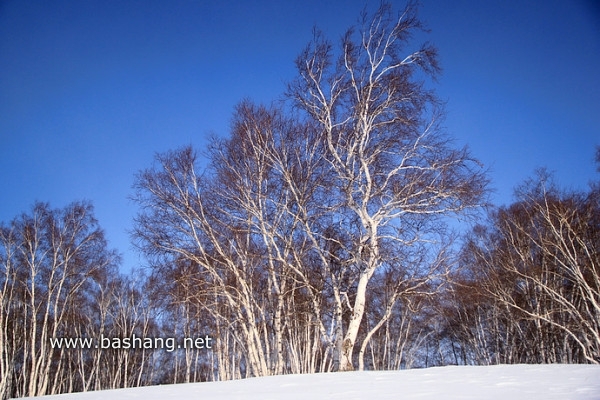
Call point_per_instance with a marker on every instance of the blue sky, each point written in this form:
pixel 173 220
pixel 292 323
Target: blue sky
pixel 91 90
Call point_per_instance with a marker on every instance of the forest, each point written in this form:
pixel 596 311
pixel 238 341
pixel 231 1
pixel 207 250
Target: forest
pixel 320 235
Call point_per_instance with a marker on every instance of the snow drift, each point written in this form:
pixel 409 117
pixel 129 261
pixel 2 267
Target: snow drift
pixel 511 382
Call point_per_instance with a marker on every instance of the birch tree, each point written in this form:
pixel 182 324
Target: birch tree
pixel 536 268
pixel 310 211
pixel 212 226
pixel 395 169
pixel 49 260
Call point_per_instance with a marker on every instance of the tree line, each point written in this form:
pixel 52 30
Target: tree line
pixel 59 279
pixel 313 238
pixel 529 287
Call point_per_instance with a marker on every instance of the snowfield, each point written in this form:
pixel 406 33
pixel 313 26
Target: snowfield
pixel 512 382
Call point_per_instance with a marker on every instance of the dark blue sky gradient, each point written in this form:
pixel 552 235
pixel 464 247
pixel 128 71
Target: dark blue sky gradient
pixel 91 90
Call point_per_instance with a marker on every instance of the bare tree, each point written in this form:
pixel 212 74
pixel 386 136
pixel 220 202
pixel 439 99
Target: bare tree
pixel 194 220
pixel 537 265
pixel 303 214
pixel 395 170
pixel 49 260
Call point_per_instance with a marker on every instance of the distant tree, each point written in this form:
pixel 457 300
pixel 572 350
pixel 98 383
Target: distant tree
pixel 534 277
pixel 50 260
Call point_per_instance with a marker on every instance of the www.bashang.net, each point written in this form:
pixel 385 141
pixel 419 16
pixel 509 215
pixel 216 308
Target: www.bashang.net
pixel 133 342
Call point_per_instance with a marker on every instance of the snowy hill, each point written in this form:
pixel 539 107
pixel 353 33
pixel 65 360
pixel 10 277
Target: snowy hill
pixel 511 382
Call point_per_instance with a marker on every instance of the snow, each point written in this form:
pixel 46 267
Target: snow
pixel 513 382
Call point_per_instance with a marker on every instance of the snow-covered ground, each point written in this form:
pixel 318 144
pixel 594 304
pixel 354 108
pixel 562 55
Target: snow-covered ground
pixel 512 382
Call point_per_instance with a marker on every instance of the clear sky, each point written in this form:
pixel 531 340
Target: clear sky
pixel 90 90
